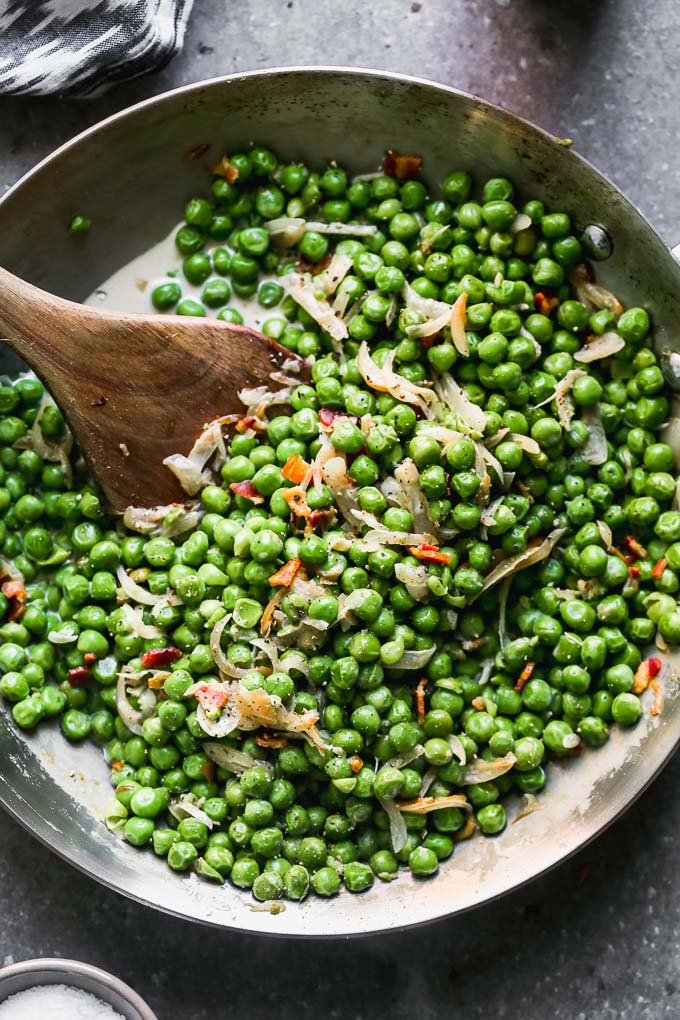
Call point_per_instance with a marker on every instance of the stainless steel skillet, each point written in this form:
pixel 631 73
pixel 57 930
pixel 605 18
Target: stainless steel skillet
pixel 131 174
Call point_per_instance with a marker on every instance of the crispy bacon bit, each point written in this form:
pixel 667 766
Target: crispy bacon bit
pixel 634 571
pixel 156 682
pixel 271 740
pixel 295 498
pixel 545 304
pixel 420 698
pixel 622 556
pixel 90 657
pixel 208 771
pixel 197 151
pixel 525 675
pixel 156 658
pixel 79 676
pixel 211 697
pixel 303 265
pixel 658 702
pixel 635 547
pixel 14 591
pixel 328 417
pixel 429 553
pixel 248 422
pixel 659 568
pixel 356 763
pixel 319 520
pixel 295 468
pixel 116 766
pixel 223 168
pixel 479 704
pixel 247 490
pixel 404 168
pixel 100 400
pixel 645 673
pixel 286 575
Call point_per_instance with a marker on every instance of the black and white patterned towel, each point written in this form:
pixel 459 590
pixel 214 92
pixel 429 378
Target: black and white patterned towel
pixel 82 47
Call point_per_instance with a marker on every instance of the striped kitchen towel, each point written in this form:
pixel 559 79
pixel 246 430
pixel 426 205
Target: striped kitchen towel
pixel 82 47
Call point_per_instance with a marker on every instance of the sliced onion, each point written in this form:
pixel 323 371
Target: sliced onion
pixel 408 478
pixel 414 580
pixel 525 443
pixel 11 571
pixel 337 269
pixel 457 324
pixel 191 470
pixel 428 779
pixel 152 521
pixel 257 399
pixel 392 310
pixel 424 805
pixel 184 808
pixel 386 380
pixel 456 746
pixel 415 659
pixel 565 411
pixel 344 229
pixel 528 804
pixel 595 449
pixel 63 636
pixel 431 327
pixel 228 721
pixel 340 303
pixel 257 708
pixel 383 536
pixel 269 649
pixel 491 461
pixel 134 591
pixel 133 618
pixel 233 760
pixel 398 830
pixel 447 437
pixel 481 771
pixel 304 294
pixel 450 393
pixel 405 759
pixel 295 660
pixel 132 717
pixel 429 307
pixel 224 667
pixel 334 473
pixel 521 561
pixel 592 293
pixel 48 450
pixel 521 222
pixel 603 347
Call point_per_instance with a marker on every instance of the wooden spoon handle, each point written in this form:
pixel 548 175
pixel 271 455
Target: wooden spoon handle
pixel 30 319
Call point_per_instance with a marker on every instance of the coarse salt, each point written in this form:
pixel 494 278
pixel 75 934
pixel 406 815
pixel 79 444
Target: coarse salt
pixel 56 1002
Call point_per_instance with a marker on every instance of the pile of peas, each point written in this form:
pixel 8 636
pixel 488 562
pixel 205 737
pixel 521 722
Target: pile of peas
pixel 312 818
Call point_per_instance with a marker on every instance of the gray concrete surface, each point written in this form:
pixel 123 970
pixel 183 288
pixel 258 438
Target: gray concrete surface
pixel 600 937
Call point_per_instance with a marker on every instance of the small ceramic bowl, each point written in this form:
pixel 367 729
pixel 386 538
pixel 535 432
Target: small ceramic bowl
pixel 21 976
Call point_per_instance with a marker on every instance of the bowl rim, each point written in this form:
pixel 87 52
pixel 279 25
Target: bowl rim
pixel 66 968
pixel 510 119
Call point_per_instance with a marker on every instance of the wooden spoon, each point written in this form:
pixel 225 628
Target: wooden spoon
pixel 134 388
